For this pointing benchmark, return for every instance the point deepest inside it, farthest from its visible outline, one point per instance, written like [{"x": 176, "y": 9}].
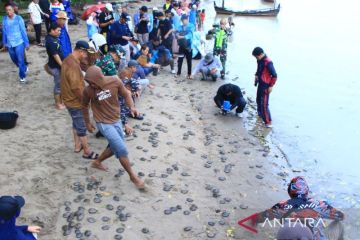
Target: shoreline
[{"x": 41, "y": 163}]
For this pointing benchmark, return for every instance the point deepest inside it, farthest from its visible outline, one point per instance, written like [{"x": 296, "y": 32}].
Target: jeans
[
  {"x": 78, "y": 121},
  {"x": 148, "y": 70},
  {"x": 127, "y": 49},
  {"x": 143, "y": 83},
  {"x": 56, "y": 73},
  {"x": 206, "y": 72},
  {"x": 37, "y": 28},
  {"x": 113, "y": 132},
  {"x": 143, "y": 38},
  {"x": 17, "y": 55}
]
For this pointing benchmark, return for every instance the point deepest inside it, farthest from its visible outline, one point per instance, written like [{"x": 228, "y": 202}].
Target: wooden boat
[{"x": 270, "y": 12}]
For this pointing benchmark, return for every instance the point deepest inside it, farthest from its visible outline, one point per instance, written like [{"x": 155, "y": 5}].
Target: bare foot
[
  {"x": 78, "y": 148},
  {"x": 138, "y": 183},
  {"x": 151, "y": 86},
  {"x": 97, "y": 165}
]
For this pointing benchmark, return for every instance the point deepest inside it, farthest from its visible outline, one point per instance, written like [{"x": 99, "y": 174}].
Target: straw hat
[{"x": 62, "y": 15}]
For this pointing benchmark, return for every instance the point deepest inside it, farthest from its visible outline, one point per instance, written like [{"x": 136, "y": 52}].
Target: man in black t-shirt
[
  {"x": 56, "y": 56},
  {"x": 141, "y": 21},
  {"x": 45, "y": 7},
  {"x": 106, "y": 18},
  {"x": 165, "y": 31}
]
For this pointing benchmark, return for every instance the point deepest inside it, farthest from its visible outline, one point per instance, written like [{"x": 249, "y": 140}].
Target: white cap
[
  {"x": 194, "y": 6},
  {"x": 109, "y": 7},
  {"x": 155, "y": 9}
]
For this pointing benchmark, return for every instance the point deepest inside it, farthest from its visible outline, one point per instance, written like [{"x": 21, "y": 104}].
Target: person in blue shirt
[
  {"x": 175, "y": 19},
  {"x": 64, "y": 35},
  {"x": 120, "y": 34},
  {"x": 15, "y": 39},
  {"x": 193, "y": 15},
  {"x": 184, "y": 37},
  {"x": 9, "y": 211}
]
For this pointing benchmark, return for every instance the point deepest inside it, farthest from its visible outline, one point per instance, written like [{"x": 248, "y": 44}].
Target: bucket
[
  {"x": 8, "y": 119},
  {"x": 226, "y": 106}
]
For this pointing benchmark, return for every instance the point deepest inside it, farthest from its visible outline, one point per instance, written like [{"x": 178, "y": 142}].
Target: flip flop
[
  {"x": 92, "y": 156},
  {"x": 81, "y": 148},
  {"x": 139, "y": 117}
]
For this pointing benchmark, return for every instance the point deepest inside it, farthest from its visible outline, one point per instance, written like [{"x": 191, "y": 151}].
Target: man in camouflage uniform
[
  {"x": 109, "y": 63},
  {"x": 221, "y": 35}
]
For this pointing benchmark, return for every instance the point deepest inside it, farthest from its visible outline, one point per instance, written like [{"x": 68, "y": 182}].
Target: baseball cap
[
  {"x": 124, "y": 16},
  {"x": 184, "y": 17},
  {"x": 208, "y": 57},
  {"x": 9, "y": 206},
  {"x": 83, "y": 45},
  {"x": 144, "y": 8},
  {"x": 133, "y": 63},
  {"x": 109, "y": 7}
]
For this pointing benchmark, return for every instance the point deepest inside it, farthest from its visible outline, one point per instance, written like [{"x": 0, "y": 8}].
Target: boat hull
[{"x": 271, "y": 12}]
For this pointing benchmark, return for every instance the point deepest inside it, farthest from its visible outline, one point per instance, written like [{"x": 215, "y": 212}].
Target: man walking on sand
[
  {"x": 72, "y": 86},
  {"x": 103, "y": 96},
  {"x": 265, "y": 78},
  {"x": 14, "y": 38}
]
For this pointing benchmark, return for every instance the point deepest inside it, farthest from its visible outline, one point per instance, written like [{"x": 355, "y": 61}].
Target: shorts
[
  {"x": 113, "y": 132},
  {"x": 78, "y": 121}
]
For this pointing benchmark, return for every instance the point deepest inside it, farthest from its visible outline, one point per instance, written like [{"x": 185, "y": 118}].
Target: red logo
[{"x": 251, "y": 218}]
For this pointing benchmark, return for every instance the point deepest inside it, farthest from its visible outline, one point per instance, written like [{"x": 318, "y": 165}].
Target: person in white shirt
[
  {"x": 35, "y": 17},
  {"x": 209, "y": 66}
]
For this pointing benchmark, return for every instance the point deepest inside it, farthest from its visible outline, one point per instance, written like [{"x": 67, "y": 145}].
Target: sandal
[
  {"x": 92, "y": 156},
  {"x": 138, "y": 117}
]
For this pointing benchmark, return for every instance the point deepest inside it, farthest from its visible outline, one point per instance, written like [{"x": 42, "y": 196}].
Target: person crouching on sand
[
  {"x": 9, "y": 210},
  {"x": 103, "y": 94},
  {"x": 228, "y": 97}
]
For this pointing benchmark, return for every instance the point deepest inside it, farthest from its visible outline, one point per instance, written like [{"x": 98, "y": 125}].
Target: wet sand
[{"x": 203, "y": 171}]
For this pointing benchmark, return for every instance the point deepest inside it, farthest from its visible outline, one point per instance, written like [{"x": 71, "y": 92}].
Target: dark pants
[
  {"x": 37, "y": 28},
  {"x": 188, "y": 55},
  {"x": 239, "y": 107},
  {"x": 168, "y": 43},
  {"x": 47, "y": 23},
  {"x": 166, "y": 62},
  {"x": 222, "y": 55},
  {"x": 262, "y": 100}
]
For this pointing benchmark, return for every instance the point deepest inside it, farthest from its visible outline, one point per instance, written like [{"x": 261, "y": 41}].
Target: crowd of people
[{"x": 110, "y": 71}]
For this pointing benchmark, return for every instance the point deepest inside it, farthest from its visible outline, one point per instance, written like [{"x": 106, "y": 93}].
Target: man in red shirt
[{"x": 265, "y": 78}]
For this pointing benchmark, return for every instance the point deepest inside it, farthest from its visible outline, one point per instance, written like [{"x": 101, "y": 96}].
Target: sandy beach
[{"x": 203, "y": 171}]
